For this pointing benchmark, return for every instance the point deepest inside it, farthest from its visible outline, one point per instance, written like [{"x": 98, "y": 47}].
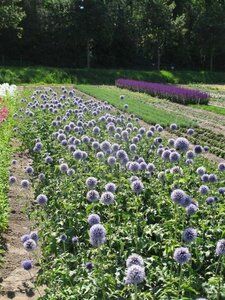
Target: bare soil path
[{"x": 16, "y": 283}]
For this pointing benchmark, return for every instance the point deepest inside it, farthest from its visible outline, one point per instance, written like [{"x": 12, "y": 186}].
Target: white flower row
[{"x": 7, "y": 89}]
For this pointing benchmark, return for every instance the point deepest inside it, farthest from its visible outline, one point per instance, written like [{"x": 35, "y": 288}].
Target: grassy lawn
[
  {"x": 19, "y": 75},
  {"x": 215, "y": 109},
  {"x": 139, "y": 104}
]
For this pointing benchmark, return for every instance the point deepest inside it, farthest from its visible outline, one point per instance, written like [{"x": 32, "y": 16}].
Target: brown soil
[{"x": 16, "y": 283}]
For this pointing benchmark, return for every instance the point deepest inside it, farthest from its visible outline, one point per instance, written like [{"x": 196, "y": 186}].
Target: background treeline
[{"x": 153, "y": 34}]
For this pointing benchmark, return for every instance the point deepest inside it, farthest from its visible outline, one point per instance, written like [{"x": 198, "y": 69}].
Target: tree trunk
[
  {"x": 88, "y": 54},
  {"x": 211, "y": 60},
  {"x": 158, "y": 59}
]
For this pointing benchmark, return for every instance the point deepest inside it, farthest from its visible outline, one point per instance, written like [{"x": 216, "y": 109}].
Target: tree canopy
[{"x": 114, "y": 33}]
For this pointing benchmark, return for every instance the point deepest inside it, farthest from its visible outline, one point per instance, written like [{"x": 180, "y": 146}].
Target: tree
[
  {"x": 11, "y": 14},
  {"x": 158, "y": 25},
  {"x": 209, "y": 28}
]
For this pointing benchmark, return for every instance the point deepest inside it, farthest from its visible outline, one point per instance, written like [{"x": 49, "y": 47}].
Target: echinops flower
[
  {"x": 182, "y": 255},
  {"x": 135, "y": 274},
  {"x": 93, "y": 219},
  {"x": 97, "y": 235}
]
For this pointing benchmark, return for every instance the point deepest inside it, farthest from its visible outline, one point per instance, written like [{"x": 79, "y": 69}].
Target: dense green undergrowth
[
  {"x": 6, "y": 149},
  {"x": 38, "y": 74}
]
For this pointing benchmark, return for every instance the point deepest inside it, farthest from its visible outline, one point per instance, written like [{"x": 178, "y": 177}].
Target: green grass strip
[
  {"x": 47, "y": 75},
  {"x": 139, "y": 104},
  {"x": 214, "y": 109}
]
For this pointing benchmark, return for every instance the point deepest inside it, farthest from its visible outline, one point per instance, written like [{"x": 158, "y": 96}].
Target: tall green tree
[
  {"x": 158, "y": 25},
  {"x": 11, "y": 14},
  {"x": 209, "y": 28}
]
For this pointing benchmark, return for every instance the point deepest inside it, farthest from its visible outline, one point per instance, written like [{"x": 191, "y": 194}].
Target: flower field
[
  {"x": 172, "y": 92},
  {"x": 119, "y": 212}
]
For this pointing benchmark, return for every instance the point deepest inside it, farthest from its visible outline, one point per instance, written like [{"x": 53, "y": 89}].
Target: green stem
[
  {"x": 181, "y": 275},
  {"x": 135, "y": 292},
  {"x": 220, "y": 279}
]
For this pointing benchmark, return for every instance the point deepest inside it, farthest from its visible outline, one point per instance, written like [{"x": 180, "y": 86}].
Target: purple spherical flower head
[
  {"x": 173, "y": 126},
  {"x": 25, "y": 183},
  {"x": 97, "y": 235},
  {"x": 48, "y": 159},
  {"x": 135, "y": 274},
  {"x": 29, "y": 170},
  {"x": 210, "y": 200},
  {"x": 27, "y": 264},
  {"x": 75, "y": 239},
  {"x": 204, "y": 190},
  {"x": 93, "y": 219},
  {"x": 63, "y": 167},
  {"x": 41, "y": 176},
  {"x": 63, "y": 237},
  {"x": 24, "y": 238},
  {"x": 42, "y": 199},
  {"x": 110, "y": 187},
  {"x": 182, "y": 255},
  {"x": 178, "y": 196},
  {"x": 34, "y": 236},
  {"x": 205, "y": 178},
  {"x": 134, "y": 259},
  {"x": 221, "y": 167},
  {"x": 181, "y": 144},
  {"x": 190, "y": 154},
  {"x": 174, "y": 156},
  {"x": 78, "y": 155},
  {"x": 166, "y": 155},
  {"x": 92, "y": 196},
  {"x": 191, "y": 209},
  {"x": 189, "y": 235},
  {"x": 14, "y": 162},
  {"x": 150, "y": 167},
  {"x": 220, "y": 247},
  {"x": 186, "y": 201},
  {"x": 100, "y": 155},
  {"x": 134, "y": 166},
  {"x": 89, "y": 266},
  {"x": 201, "y": 171},
  {"x": 221, "y": 190},
  {"x": 111, "y": 160},
  {"x": 198, "y": 149},
  {"x": 212, "y": 178},
  {"x": 12, "y": 179},
  {"x": 70, "y": 172},
  {"x": 133, "y": 178},
  {"x": 91, "y": 182},
  {"x": 190, "y": 131},
  {"x": 137, "y": 186},
  {"x": 107, "y": 198},
  {"x": 29, "y": 245}
]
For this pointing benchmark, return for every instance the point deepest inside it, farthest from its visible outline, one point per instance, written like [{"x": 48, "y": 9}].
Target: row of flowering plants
[
  {"x": 171, "y": 92},
  {"x": 7, "y": 123},
  {"x": 119, "y": 212}
]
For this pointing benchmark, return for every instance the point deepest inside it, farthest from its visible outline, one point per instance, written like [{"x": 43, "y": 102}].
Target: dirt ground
[{"x": 16, "y": 283}]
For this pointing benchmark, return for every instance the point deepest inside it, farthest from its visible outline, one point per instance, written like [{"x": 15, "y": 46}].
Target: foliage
[
  {"x": 138, "y": 103},
  {"x": 6, "y": 133},
  {"x": 11, "y": 14},
  {"x": 44, "y": 75},
  {"x": 149, "y": 223},
  {"x": 114, "y": 33}
]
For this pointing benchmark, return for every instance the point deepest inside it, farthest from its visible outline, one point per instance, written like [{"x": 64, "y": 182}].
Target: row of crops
[
  {"x": 121, "y": 212},
  {"x": 172, "y": 92},
  {"x": 7, "y": 123}
]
